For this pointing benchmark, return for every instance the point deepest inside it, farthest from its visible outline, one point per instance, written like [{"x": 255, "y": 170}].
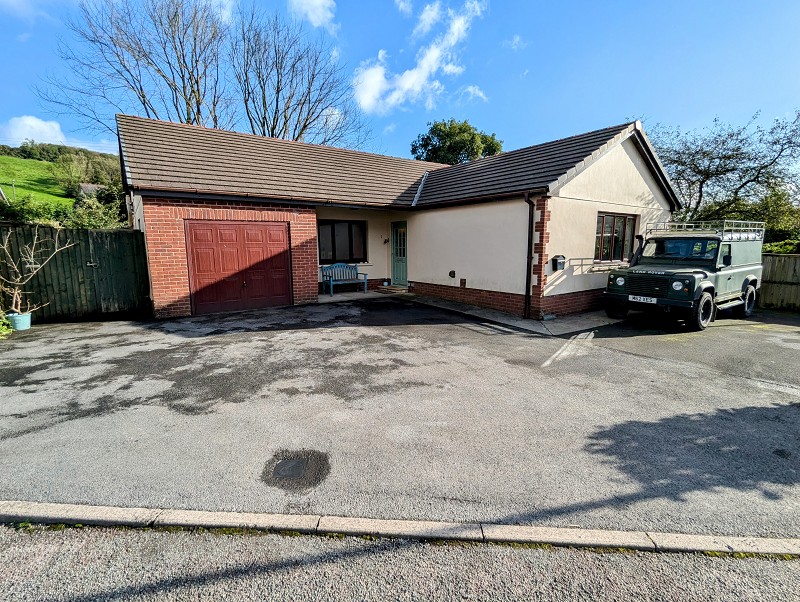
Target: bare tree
[
  {"x": 159, "y": 58},
  {"x": 720, "y": 167},
  {"x": 18, "y": 269},
  {"x": 291, "y": 86},
  {"x": 180, "y": 60}
]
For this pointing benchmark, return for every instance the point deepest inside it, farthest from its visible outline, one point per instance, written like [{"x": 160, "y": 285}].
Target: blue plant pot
[{"x": 19, "y": 321}]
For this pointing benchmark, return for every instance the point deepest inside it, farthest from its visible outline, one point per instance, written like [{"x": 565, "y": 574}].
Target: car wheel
[
  {"x": 703, "y": 312},
  {"x": 617, "y": 311},
  {"x": 749, "y": 297}
]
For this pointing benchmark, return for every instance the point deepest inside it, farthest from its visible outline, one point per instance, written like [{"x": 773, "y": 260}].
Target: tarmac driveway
[{"x": 408, "y": 411}]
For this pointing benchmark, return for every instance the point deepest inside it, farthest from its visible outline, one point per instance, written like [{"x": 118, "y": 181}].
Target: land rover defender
[{"x": 690, "y": 270}]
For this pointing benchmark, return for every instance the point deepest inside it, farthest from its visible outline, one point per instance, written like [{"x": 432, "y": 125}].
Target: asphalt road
[
  {"x": 413, "y": 412},
  {"x": 80, "y": 565}
]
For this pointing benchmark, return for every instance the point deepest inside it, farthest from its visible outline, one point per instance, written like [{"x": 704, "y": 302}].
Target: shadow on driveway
[{"x": 745, "y": 449}]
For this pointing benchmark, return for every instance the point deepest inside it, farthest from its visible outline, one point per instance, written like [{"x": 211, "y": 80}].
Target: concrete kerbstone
[
  {"x": 682, "y": 542},
  {"x": 400, "y": 528},
  {"x": 301, "y": 523},
  {"x": 559, "y": 536},
  {"x": 71, "y": 514}
]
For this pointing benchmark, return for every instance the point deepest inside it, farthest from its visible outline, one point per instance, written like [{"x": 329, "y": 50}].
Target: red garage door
[{"x": 238, "y": 265}]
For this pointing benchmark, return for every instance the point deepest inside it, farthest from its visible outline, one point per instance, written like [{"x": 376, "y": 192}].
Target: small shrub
[
  {"x": 91, "y": 213},
  {"x": 783, "y": 247},
  {"x": 5, "y": 325}
]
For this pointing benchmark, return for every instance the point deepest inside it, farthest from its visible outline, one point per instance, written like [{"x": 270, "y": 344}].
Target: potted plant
[{"x": 17, "y": 269}]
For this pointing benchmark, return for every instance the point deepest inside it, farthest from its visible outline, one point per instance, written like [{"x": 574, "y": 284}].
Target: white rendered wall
[
  {"x": 484, "y": 243},
  {"x": 619, "y": 182}
]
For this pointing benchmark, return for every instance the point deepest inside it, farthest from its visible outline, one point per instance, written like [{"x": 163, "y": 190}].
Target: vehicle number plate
[{"x": 641, "y": 299}]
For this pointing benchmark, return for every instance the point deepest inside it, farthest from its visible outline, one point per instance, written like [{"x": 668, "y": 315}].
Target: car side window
[{"x": 725, "y": 251}]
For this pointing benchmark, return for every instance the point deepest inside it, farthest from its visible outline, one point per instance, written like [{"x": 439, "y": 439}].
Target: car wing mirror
[{"x": 727, "y": 260}]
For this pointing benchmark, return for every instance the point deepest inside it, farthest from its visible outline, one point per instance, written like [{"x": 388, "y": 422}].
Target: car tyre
[
  {"x": 702, "y": 312},
  {"x": 616, "y": 310},
  {"x": 749, "y": 297}
]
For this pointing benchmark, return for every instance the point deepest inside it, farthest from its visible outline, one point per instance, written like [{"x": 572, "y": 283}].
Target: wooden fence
[
  {"x": 105, "y": 272},
  {"x": 780, "y": 288}
]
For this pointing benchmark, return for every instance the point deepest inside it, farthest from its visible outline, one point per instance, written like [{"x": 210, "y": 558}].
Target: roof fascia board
[
  {"x": 648, "y": 151},
  {"x": 211, "y": 196}
]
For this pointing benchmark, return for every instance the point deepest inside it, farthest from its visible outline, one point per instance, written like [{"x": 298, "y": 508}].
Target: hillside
[{"x": 33, "y": 177}]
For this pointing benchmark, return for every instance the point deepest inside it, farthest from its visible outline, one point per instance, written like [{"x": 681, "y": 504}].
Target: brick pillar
[{"x": 540, "y": 242}]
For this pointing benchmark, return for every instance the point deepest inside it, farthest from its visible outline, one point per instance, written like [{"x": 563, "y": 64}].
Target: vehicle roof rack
[{"x": 725, "y": 229}]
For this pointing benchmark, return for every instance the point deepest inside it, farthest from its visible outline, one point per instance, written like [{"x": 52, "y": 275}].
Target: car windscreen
[{"x": 695, "y": 249}]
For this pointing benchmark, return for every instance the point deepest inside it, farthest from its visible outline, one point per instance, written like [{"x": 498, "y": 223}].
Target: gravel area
[
  {"x": 413, "y": 413},
  {"x": 108, "y": 564}
]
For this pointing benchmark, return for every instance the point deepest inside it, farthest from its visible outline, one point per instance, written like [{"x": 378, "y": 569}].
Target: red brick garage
[{"x": 176, "y": 287}]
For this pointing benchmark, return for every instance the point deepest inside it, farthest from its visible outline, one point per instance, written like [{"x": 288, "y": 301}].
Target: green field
[{"x": 33, "y": 177}]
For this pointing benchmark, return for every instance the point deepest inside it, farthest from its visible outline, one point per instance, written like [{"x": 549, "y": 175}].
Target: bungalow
[{"x": 235, "y": 221}]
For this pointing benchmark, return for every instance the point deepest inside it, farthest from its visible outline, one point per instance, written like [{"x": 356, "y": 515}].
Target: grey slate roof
[{"x": 161, "y": 156}]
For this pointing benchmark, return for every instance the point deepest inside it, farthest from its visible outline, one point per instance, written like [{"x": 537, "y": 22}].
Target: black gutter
[{"x": 526, "y": 312}]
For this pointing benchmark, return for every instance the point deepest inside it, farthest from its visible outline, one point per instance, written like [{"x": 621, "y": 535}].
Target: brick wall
[
  {"x": 166, "y": 246},
  {"x": 509, "y": 303},
  {"x": 568, "y": 303}
]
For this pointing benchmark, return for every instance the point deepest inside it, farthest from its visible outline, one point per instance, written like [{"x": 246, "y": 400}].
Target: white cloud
[
  {"x": 225, "y": 9},
  {"x": 378, "y": 91},
  {"x": 404, "y": 6},
  {"x": 27, "y": 10},
  {"x": 452, "y": 69},
  {"x": 320, "y": 13},
  {"x": 389, "y": 129},
  {"x": 515, "y": 43},
  {"x": 430, "y": 16},
  {"x": 474, "y": 91},
  {"x": 24, "y": 37},
  {"x": 27, "y": 127}
]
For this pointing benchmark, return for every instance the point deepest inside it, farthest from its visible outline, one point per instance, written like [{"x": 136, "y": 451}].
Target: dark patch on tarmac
[{"x": 296, "y": 471}]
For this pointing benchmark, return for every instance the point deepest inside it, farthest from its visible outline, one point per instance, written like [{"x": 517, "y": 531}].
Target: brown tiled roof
[
  {"x": 171, "y": 157},
  {"x": 528, "y": 169}
]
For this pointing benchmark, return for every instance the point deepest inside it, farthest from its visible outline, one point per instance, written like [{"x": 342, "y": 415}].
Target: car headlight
[
  {"x": 620, "y": 281},
  {"x": 677, "y": 285}
]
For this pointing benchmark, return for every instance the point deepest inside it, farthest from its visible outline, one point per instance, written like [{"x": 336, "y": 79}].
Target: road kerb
[
  {"x": 72, "y": 514},
  {"x": 560, "y": 536},
  {"x": 683, "y": 542},
  {"x": 301, "y": 523},
  {"x": 110, "y": 516},
  {"x": 400, "y": 528}
]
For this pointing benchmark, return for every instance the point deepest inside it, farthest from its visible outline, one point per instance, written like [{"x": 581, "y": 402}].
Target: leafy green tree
[
  {"x": 70, "y": 171},
  {"x": 717, "y": 169},
  {"x": 454, "y": 142}
]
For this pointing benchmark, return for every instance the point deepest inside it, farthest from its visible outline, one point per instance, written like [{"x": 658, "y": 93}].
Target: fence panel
[
  {"x": 104, "y": 272},
  {"x": 781, "y": 286}
]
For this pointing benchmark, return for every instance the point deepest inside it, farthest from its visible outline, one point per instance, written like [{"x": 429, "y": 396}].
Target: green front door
[{"x": 399, "y": 253}]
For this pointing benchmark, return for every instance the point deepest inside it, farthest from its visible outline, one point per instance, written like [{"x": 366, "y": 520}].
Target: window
[
  {"x": 669, "y": 249},
  {"x": 614, "y": 237},
  {"x": 341, "y": 241}
]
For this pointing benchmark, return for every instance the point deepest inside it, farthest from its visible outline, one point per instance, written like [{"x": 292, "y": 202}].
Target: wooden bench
[{"x": 341, "y": 273}]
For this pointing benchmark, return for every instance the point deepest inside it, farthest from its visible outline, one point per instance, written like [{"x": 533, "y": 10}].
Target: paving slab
[
  {"x": 400, "y": 528},
  {"x": 633, "y": 540}
]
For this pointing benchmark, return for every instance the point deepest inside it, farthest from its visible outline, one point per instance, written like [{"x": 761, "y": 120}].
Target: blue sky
[{"x": 527, "y": 71}]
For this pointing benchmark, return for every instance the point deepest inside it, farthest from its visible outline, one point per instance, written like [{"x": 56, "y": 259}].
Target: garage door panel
[
  {"x": 229, "y": 260},
  {"x": 205, "y": 261},
  {"x": 227, "y": 234},
  {"x": 238, "y": 265}
]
